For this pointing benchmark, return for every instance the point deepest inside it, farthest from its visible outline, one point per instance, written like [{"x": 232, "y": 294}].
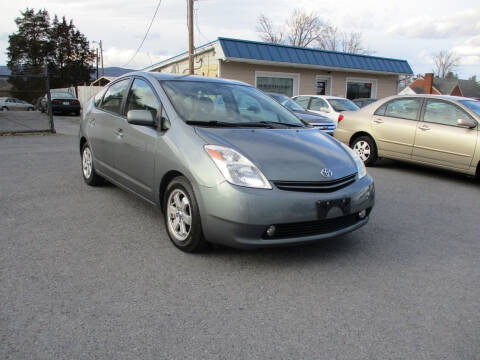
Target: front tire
[
  {"x": 88, "y": 170},
  {"x": 182, "y": 216},
  {"x": 366, "y": 149}
]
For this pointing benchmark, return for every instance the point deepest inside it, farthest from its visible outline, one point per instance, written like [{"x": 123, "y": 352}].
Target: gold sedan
[{"x": 434, "y": 130}]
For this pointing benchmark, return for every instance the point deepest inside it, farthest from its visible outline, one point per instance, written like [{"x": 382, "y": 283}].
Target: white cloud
[
  {"x": 465, "y": 23},
  {"x": 119, "y": 57},
  {"x": 469, "y": 51}
]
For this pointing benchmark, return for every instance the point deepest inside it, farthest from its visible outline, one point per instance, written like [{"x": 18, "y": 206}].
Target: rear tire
[
  {"x": 366, "y": 149},
  {"x": 88, "y": 170},
  {"x": 182, "y": 216}
]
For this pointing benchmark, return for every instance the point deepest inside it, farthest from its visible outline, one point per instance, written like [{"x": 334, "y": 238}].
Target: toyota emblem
[{"x": 326, "y": 172}]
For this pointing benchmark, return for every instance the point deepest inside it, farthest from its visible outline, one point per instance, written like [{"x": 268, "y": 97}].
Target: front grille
[
  {"x": 325, "y": 127},
  {"x": 310, "y": 228},
  {"x": 316, "y": 186}
]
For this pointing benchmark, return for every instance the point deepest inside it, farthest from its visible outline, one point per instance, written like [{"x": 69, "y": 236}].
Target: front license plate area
[
  {"x": 333, "y": 208},
  {"x": 66, "y": 103}
]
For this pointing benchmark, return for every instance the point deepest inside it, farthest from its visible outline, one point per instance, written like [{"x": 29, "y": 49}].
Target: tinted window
[
  {"x": 403, "y": 108},
  {"x": 237, "y": 104},
  {"x": 441, "y": 112},
  {"x": 343, "y": 105},
  {"x": 142, "y": 97},
  {"x": 302, "y": 101},
  {"x": 318, "y": 104},
  {"x": 112, "y": 101}
]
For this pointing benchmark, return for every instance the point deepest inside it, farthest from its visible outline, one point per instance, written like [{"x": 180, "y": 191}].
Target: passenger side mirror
[
  {"x": 140, "y": 117},
  {"x": 466, "y": 123},
  {"x": 164, "y": 124}
]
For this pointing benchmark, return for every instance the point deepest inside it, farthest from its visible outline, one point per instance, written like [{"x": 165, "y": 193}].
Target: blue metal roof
[{"x": 254, "y": 50}]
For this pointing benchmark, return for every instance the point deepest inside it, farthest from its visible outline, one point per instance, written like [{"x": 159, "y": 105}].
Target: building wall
[
  {"x": 386, "y": 85},
  {"x": 205, "y": 64}
]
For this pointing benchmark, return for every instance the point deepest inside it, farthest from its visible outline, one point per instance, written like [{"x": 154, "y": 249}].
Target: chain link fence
[{"x": 25, "y": 105}]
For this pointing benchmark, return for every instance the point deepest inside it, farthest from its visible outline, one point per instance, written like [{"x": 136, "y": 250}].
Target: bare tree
[
  {"x": 329, "y": 38},
  {"x": 303, "y": 28},
  {"x": 445, "y": 62},
  {"x": 267, "y": 30}
]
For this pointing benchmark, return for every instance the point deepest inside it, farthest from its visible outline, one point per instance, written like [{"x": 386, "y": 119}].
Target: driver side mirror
[
  {"x": 140, "y": 117},
  {"x": 466, "y": 123}
]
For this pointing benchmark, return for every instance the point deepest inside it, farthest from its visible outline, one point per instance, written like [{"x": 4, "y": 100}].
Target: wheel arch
[
  {"x": 359, "y": 134},
  {"x": 164, "y": 183},
  {"x": 83, "y": 140}
]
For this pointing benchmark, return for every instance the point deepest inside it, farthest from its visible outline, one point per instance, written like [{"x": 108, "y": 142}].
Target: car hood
[
  {"x": 312, "y": 117},
  {"x": 285, "y": 154}
]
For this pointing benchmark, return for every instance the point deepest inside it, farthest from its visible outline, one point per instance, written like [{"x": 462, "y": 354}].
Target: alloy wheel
[
  {"x": 362, "y": 148},
  {"x": 179, "y": 215},
  {"x": 87, "y": 162}
]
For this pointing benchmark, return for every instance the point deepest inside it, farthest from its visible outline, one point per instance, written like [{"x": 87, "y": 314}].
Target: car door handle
[
  {"x": 424, "y": 127},
  {"x": 119, "y": 132},
  {"x": 378, "y": 121}
]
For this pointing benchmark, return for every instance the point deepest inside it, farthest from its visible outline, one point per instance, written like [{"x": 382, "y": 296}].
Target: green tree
[{"x": 39, "y": 41}]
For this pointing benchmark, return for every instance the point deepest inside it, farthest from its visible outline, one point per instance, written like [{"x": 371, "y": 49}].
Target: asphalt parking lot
[{"x": 89, "y": 273}]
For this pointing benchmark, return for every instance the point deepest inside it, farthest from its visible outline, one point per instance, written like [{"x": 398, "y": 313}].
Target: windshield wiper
[{"x": 212, "y": 123}]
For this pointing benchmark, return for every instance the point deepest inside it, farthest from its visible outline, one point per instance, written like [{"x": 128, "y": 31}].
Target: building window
[
  {"x": 280, "y": 83},
  {"x": 323, "y": 85},
  {"x": 361, "y": 88}
]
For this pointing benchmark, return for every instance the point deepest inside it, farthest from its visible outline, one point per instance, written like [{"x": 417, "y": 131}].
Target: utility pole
[
  {"x": 101, "y": 54},
  {"x": 190, "y": 37}
]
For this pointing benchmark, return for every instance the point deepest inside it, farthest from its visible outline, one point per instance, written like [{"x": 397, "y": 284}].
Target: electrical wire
[
  {"x": 146, "y": 34},
  {"x": 198, "y": 26}
]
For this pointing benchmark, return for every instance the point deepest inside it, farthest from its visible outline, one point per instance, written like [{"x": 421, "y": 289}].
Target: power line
[
  {"x": 146, "y": 34},
  {"x": 198, "y": 26}
]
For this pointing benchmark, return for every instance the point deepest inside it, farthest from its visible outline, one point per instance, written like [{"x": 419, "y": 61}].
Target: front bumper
[
  {"x": 239, "y": 217},
  {"x": 65, "y": 108}
]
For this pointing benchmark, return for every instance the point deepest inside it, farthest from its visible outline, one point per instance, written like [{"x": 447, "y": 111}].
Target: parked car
[
  {"x": 329, "y": 106},
  {"x": 8, "y": 103},
  {"x": 316, "y": 120},
  {"x": 434, "y": 130},
  {"x": 226, "y": 163},
  {"x": 62, "y": 102},
  {"x": 362, "y": 102}
]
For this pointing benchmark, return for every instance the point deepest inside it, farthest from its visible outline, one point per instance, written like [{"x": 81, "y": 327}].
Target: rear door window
[
  {"x": 403, "y": 108},
  {"x": 318, "y": 104},
  {"x": 302, "y": 101},
  {"x": 112, "y": 101}
]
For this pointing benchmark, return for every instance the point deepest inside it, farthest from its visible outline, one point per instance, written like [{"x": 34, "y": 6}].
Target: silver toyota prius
[{"x": 226, "y": 163}]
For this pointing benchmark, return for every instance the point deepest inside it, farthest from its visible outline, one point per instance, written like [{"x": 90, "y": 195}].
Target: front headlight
[
  {"x": 236, "y": 168},
  {"x": 361, "y": 170}
]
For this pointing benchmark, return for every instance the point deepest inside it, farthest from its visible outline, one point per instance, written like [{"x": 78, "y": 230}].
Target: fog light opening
[
  {"x": 271, "y": 230},
  {"x": 362, "y": 214}
]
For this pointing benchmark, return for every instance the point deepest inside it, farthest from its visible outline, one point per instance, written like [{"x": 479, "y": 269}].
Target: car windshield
[
  {"x": 342, "y": 105},
  {"x": 287, "y": 102},
  {"x": 61, "y": 95},
  {"x": 219, "y": 104},
  {"x": 473, "y": 105}
]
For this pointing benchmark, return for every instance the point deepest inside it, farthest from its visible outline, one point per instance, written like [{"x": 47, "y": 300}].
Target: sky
[{"x": 410, "y": 29}]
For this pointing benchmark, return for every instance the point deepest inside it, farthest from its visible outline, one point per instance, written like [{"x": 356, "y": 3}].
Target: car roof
[
  {"x": 432, "y": 96},
  {"x": 324, "y": 96},
  {"x": 181, "y": 77}
]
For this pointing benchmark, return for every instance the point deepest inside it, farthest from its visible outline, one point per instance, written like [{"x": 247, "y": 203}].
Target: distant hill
[{"x": 109, "y": 71}]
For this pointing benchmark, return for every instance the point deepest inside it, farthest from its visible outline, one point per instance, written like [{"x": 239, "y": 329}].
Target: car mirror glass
[{"x": 140, "y": 117}]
